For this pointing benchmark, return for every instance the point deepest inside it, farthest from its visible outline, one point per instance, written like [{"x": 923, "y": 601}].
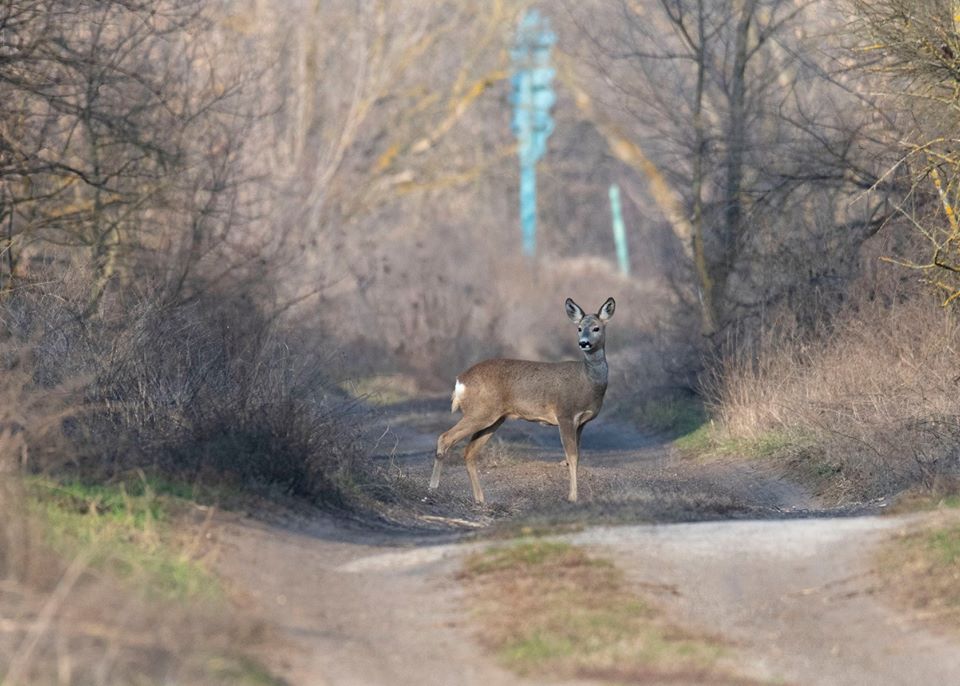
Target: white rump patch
[{"x": 457, "y": 395}]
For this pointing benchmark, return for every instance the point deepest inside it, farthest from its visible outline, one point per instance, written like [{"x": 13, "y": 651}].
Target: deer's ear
[
  {"x": 606, "y": 309},
  {"x": 574, "y": 311}
]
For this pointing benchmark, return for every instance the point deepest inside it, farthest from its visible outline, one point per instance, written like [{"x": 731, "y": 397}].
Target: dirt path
[
  {"x": 349, "y": 622},
  {"x": 787, "y": 585},
  {"x": 796, "y": 598}
]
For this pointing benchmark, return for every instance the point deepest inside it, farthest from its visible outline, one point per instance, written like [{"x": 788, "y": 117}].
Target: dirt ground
[{"x": 731, "y": 549}]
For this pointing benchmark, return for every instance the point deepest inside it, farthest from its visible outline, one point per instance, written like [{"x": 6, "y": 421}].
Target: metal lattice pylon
[{"x": 533, "y": 97}]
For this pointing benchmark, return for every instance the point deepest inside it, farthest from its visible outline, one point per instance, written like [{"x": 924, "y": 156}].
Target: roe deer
[{"x": 564, "y": 394}]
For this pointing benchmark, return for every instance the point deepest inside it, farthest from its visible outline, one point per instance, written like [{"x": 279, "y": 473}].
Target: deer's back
[{"x": 536, "y": 391}]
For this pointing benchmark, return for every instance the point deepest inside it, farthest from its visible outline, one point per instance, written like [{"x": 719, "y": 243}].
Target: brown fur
[{"x": 563, "y": 394}]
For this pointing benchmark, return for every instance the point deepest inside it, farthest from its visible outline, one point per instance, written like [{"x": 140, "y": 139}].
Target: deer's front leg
[{"x": 571, "y": 448}]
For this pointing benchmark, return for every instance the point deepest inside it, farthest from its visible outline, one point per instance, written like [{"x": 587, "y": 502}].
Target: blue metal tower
[{"x": 532, "y": 99}]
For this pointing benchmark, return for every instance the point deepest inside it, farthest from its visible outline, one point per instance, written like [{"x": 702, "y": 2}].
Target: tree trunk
[
  {"x": 732, "y": 228},
  {"x": 705, "y": 283}
]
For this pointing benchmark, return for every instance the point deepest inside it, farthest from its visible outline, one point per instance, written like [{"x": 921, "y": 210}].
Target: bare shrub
[
  {"x": 874, "y": 391},
  {"x": 30, "y": 421},
  {"x": 212, "y": 386},
  {"x": 913, "y": 46},
  {"x": 120, "y": 133}
]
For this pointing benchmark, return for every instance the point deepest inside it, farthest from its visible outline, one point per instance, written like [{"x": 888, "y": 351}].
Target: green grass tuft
[
  {"x": 697, "y": 442},
  {"x": 125, "y": 528},
  {"x": 709, "y": 440},
  {"x": 944, "y": 544},
  {"x": 672, "y": 416},
  {"x": 920, "y": 567},
  {"x": 240, "y": 671},
  {"x": 523, "y": 555}
]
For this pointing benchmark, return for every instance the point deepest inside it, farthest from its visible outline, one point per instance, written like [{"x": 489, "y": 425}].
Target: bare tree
[
  {"x": 117, "y": 135},
  {"x": 914, "y": 46},
  {"x": 737, "y": 111}
]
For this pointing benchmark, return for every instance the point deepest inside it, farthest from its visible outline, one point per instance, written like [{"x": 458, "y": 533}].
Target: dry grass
[
  {"x": 551, "y": 610},
  {"x": 100, "y": 584},
  {"x": 873, "y": 394}
]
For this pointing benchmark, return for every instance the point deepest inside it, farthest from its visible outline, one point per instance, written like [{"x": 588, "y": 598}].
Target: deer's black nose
[{"x": 584, "y": 344}]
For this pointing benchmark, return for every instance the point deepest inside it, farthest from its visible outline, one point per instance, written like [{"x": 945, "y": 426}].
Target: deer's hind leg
[
  {"x": 477, "y": 441},
  {"x": 467, "y": 426}
]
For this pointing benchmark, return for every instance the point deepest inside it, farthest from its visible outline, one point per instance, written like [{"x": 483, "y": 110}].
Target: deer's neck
[{"x": 596, "y": 365}]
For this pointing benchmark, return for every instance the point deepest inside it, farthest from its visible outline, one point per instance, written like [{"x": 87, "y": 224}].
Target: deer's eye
[
  {"x": 579, "y": 329},
  {"x": 596, "y": 329}
]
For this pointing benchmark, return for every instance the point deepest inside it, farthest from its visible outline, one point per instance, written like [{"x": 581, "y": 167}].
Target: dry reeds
[{"x": 876, "y": 390}]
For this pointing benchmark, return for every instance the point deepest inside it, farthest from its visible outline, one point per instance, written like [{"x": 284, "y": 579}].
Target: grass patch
[
  {"x": 921, "y": 569},
  {"x": 117, "y": 569},
  {"x": 125, "y": 527},
  {"x": 708, "y": 440},
  {"x": 671, "y": 416},
  {"x": 944, "y": 547},
  {"x": 917, "y": 500},
  {"x": 240, "y": 671},
  {"x": 530, "y": 528},
  {"x": 697, "y": 442},
  {"x": 522, "y": 556},
  {"x": 549, "y": 609}
]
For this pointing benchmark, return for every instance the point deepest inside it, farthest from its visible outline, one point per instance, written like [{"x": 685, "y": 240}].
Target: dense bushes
[{"x": 207, "y": 387}]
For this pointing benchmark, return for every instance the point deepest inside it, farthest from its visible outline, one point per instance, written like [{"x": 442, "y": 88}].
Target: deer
[{"x": 563, "y": 394}]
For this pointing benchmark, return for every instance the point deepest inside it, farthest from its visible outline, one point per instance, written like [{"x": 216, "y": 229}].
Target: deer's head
[{"x": 591, "y": 327}]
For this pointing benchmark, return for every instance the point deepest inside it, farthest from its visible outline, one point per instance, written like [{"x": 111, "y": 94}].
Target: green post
[{"x": 619, "y": 233}]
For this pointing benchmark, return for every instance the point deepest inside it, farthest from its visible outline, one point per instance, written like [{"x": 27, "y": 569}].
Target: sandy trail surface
[
  {"x": 733, "y": 551},
  {"x": 797, "y": 598}
]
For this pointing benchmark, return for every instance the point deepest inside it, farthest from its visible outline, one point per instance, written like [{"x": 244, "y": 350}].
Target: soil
[{"x": 728, "y": 548}]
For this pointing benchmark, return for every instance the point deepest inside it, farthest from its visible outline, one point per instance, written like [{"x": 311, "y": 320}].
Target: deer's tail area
[{"x": 458, "y": 390}]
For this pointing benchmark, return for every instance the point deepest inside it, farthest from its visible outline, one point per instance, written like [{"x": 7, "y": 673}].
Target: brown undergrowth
[
  {"x": 215, "y": 389},
  {"x": 863, "y": 407}
]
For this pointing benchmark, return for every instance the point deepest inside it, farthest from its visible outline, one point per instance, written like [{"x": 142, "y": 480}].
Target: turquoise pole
[{"x": 619, "y": 233}]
